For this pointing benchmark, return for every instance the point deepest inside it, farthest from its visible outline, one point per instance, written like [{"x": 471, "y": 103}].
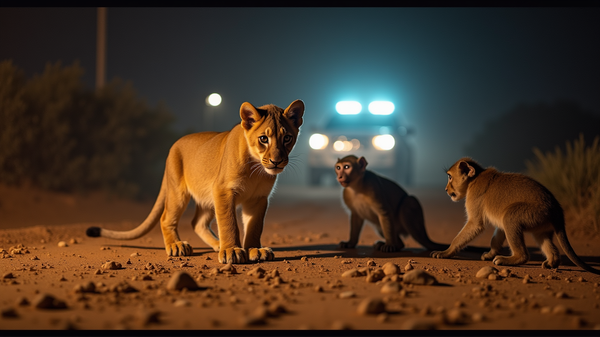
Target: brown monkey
[
  {"x": 513, "y": 203},
  {"x": 383, "y": 203}
]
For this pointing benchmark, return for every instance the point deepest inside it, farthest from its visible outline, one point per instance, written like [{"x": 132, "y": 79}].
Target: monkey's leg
[
  {"x": 466, "y": 234},
  {"x": 516, "y": 242},
  {"x": 544, "y": 239},
  {"x": 386, "y": 229},
  {"x": 356, "y": 224},
  {"x": 496, "y": 245}
]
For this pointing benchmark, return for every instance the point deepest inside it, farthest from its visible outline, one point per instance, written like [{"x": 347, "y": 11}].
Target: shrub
[
  {"x": 57, "y": 134},
  {"x": 574, "y": 179}
]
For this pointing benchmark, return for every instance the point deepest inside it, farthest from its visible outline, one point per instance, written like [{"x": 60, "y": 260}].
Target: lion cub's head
[
  {"x": 271, "y": 133},
  {"x": 459, "y": 177}
]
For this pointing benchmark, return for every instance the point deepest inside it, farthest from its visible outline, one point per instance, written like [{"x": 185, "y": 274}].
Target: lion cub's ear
[
  {"x": 249, "y": 115},
  {"x": 466, "y": 169},
  {"x": 294, "y": 112}
]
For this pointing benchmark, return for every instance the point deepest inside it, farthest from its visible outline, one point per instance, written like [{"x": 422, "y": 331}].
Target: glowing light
[
  {"x": 318, "y": 141},
  {"x": 342, "y": 144},
  {"x": 381, "y": 107},
  {"x": 348, "y": 107},
  {"x": 384, "y": 142},
  {"x": 213, "y": 99}
]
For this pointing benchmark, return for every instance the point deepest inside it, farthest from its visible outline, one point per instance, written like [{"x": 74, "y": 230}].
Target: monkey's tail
[
  {"x": 417, "y": 230},
  {"x": 561, "y": 234},
  {"x": 151, "y": 221}
]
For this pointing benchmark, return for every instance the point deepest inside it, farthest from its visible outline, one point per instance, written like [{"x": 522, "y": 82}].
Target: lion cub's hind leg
[
  {"x": 174, "y": 208},
  {"x": 496, "y": 245},
  {"x": 201, "y": 225},
  {"x": 544, "y": 239}
]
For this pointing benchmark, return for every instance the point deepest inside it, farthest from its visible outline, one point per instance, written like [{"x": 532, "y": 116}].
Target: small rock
[
  {"x": 420, "y": 324},
  {"x": 111, "y": 265},
  {"x": 340, "y": 325},
  {"x": 456, "y": 316},
  {"x": 62, "y": 244},
  {"x": 347, "y": 294},
  {"x": 276, "y": 309},
  {"x": 22, "y": 301},
  {"x": 228, "y": 269},
  {"x": 375, "y": 275},
  {"x": 135, "y": 254},
  {"x": 47, "y": 301},
  {"x": 371, "y": 263},
  {"x": 391, "y": 288},
  {"x": 419, "y": 277},
  {"x": 494, "y": 277},
  {"x": 182, "y": 303},
  {"x": 371, "y": 306},
  {"x": 408, "y": 267},
  {"x": 561, "y": 310},
  {"x": 486, "y": 271},
  {"x": 181, "y": 280},
  {"x": 390, "y": 269},
  {"x": 561, "y": 294},
  {"x": 9, "y": 313},
  {"x": 150, "y": 317},
  {"x": 257, "y": 272},
  {"x": 8, "y": 275},
  {"x": 504, "y": 272}
]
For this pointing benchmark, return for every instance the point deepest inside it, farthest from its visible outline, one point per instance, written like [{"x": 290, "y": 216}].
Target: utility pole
[{"x": 100, "y": 47}]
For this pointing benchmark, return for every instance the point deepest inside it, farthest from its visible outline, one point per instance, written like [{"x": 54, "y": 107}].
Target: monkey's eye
[
  {"x": 338, "y": 167},
  {"x": 263, "y": 139},
  {"x": 287, "y": 139},
  {"x": 346, "y": 167}
]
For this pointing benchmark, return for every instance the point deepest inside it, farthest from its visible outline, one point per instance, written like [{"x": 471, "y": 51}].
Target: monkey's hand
[
  {"x": 441, "y": 254},
  {"x": 384, "y": 247},
  {"x": 347, "y": 244}
]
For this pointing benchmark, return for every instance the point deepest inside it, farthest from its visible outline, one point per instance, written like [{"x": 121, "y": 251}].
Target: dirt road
[{"x": 54, "y": 277}]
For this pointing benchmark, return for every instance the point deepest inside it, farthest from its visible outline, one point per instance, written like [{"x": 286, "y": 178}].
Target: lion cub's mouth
[{"x": 452, "y": 195}]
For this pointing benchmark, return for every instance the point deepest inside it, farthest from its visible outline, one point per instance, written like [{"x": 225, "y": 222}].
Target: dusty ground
[{"x": 45, "y": 252}]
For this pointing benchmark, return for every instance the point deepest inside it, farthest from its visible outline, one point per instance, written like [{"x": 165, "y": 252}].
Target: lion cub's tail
[
  {"x": 561, "y": 235},
  {"x": 151, "y": 221}
]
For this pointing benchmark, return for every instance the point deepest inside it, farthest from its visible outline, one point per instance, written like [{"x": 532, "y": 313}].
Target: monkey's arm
[
  {"x": 467, "y": 233},
  {"x": 356, "y": 224}
]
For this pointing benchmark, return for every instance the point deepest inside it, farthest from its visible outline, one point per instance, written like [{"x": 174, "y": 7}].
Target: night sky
[{"x": 448, "y": 70}]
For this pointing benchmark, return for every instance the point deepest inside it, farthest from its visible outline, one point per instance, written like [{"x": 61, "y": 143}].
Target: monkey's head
[
  {"x": 350, "y": 169},
  {"x": 459, "y": 177}
]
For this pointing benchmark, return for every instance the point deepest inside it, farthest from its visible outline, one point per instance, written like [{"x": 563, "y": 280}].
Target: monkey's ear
[
  {"x": 466, "y": 169},
  {"x": 362, "y": 163}
]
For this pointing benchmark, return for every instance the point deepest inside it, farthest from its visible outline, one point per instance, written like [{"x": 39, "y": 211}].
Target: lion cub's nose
[{"x": 276, "y": 163}]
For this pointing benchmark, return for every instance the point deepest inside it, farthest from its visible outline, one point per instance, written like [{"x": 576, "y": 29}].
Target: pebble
[
  {"x": 62, "y": 244},
  {"x": 9, "y": 313},
  {"x": 504, "y": 272},
  {"x": 8, "y": 275},
  {"x": 375, "y": 275},
  {"x": 111, "y": 265},
  {"x": 371, "y": 306},
  {"x": 486, "y": 271},
  {"x": 561, "y": 310},
  {"x": 181, "y": 280},
  {"x": 371, "y": 263},
  {"x": 351, "y": 273},
  {"x": 228, "y": 269},
  {"x": 419, "y": 277},
  {"x": 391, "y": 288},
  {"x": 418, "y": 323},
  {"x": 456, "y": 316},
  {"x": 257, "y": 272},
  {"x": 340, "y": 325},
  {"x": 390, "y": 269},
  {"x": 47, "y": 301},
  {"x": 408, "y": 267},
  {"x": 347, "y": 294}
]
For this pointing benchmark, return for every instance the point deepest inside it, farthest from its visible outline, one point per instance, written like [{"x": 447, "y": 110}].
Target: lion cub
[
  {"x": 221, "y": 171},
  {"x": 383, "y": 203},
  {"x": 513, "y": 203}
]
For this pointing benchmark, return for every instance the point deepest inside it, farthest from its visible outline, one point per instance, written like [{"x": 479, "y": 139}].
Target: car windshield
[{"x": 361, "y": 121}]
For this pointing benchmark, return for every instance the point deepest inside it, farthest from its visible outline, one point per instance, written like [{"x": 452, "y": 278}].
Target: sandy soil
[{"x": 44, "y": 251}]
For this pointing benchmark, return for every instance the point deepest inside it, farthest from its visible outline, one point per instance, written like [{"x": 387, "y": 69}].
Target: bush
[
  {"x": 57, "y": 134},
  {"x": 574, "y": 179}
]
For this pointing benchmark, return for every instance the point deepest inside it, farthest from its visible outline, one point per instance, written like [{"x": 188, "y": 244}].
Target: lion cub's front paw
[
  {"x": 509, "y": 260},
  {"x": 232, "y": 255},
  {"x": 179, "y": 248},
  {"x": 489, "y": 255},
  {"x": 260, "y": 254},
  {"x": 441, "y": 254}
]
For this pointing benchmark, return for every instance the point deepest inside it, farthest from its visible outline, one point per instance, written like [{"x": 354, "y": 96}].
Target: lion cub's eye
[
  {"x": 263, "y": 139},
  {"x": 287, "y": 139},
  {"x": 449, "y": 177}
]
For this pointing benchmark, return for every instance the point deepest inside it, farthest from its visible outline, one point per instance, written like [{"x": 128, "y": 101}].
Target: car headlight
[
  {"x": 384, "y": 142},
  {"x": 318, "y": 141},
  {"x": 381, "y": 108}
]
